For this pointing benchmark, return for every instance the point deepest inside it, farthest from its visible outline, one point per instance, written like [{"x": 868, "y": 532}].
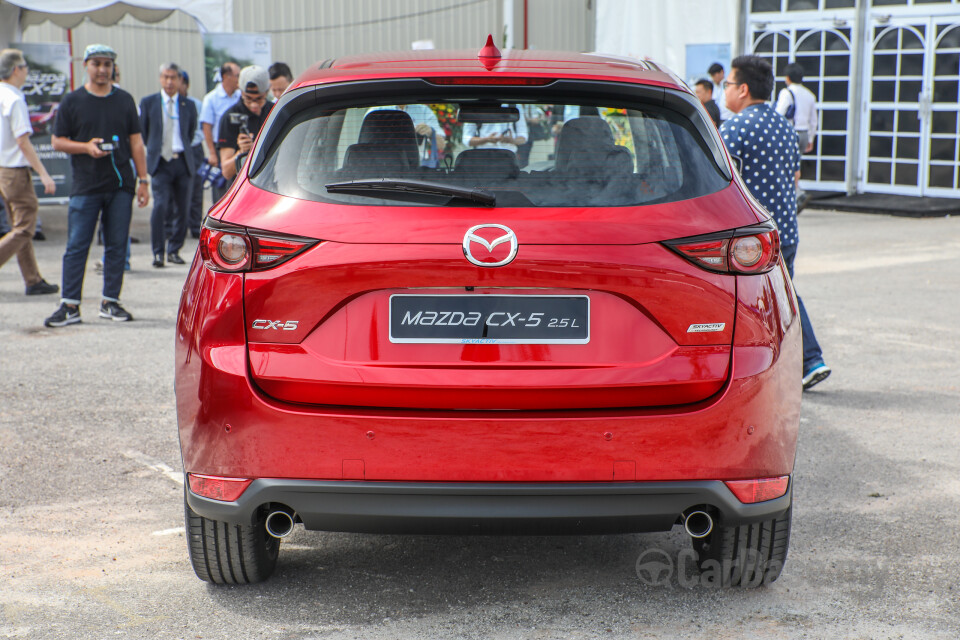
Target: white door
[
  {"x": 942, "y": 100},
  {"x": 825, "y": 51},
  {"x": 911, "y": 80}
]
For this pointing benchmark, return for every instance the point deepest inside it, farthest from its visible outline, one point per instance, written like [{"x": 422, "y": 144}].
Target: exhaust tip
[
  {"x": 698, "y": 524},
  {"x": 279, "y": 524}
]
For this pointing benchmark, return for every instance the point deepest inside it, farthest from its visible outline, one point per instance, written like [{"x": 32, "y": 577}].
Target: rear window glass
[{"x": 549, "y": 155}]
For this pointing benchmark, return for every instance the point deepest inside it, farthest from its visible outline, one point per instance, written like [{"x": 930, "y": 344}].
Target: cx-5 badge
[
  {"x": 472, "y": 243},
  {"x": 289, "y": 325}
]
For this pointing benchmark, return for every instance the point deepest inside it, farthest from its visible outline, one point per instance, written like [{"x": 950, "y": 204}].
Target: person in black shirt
[
  {"x": 98, "y": 126},
  {"x": 704, "y": 89},
  {"x": 241, "y": 122}
]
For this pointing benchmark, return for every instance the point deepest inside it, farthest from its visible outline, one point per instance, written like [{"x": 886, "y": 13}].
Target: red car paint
[{"x": 333, "y": 399}]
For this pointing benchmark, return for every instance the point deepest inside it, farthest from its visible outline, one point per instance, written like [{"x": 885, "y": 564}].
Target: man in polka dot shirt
[{"x": 770, "y": 151}]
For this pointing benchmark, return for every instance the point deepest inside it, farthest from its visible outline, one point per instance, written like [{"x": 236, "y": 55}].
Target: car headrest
[
  {"x": 581, "y": 137},
  {"x": 391, "y": 128},
  {"x": 496, "y": 164}
]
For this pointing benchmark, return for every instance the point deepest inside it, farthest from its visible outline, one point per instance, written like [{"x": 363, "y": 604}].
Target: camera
[
  {"x": 241, "y": 119},
  {"x": 211, "y": 176},
  {"x": 106, "y": 146}
]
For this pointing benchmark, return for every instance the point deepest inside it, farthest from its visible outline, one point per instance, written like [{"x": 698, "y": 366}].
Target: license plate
[{"x": 490, "y": 319}]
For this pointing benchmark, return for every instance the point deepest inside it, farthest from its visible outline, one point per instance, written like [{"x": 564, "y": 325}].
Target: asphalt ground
[{"x": 91, "y": 515}]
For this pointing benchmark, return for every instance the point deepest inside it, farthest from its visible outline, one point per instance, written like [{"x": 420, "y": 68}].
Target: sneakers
[
  {"x": 63, "y": 316},
  {"x": 42, "y": 288},
  {"x": 818, "y": 373},
  {"x": 113, "y": 311}
]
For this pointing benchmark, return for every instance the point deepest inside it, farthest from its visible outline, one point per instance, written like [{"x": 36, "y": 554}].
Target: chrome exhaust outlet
[
  {"x": 698, "y": 524},
  {"x": 279, "y": 524}
]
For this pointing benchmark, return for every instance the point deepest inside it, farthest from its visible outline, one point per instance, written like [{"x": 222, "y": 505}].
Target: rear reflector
[
  {"x": 760, "y": 490},
  {"x": 217, "y": 488}
]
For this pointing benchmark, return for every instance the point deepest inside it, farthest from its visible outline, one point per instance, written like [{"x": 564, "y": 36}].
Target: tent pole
[{"x": 70, "y": 44}]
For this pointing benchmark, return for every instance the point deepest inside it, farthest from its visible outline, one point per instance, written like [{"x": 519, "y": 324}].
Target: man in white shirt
[
  {"x": 804, "y": 107},
  {"x": 215, "y": 104},
  {"x": 17, "y": 156},
  {"x": 506, "y": 135},
  {"x": 717, "y": 74},
  {"x": 798, "y": 105}
]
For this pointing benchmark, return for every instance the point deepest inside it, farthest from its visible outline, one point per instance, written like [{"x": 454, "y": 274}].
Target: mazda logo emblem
[{"x": 476, "y": 247}]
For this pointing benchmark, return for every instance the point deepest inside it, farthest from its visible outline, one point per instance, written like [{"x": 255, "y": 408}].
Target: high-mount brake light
[
  {"x": 230, "y": 248},
  {"x": 747, "y": 250},
  {"x": 760, "y": 490},
  {"x": 497, "y": 80}
]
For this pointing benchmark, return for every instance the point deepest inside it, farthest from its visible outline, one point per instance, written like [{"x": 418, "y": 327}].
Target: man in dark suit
[{"x": 169, "y": 121}]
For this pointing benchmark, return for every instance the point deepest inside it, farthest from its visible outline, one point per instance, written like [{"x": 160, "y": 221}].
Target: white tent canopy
[{"x": 211, "y": 15}]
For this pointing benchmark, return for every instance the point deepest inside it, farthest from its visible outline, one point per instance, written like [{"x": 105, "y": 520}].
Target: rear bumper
[{"x": 487, "y": 508}]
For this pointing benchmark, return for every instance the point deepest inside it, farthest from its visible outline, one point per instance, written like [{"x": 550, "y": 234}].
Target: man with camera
[
  {"x": 98, "y": 126},
  {"x": 169, "y": 121},
  {"x": 241, "y": 123}
]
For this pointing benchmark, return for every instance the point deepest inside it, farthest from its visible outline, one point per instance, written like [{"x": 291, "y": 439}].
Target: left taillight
[
  {"x": 230, "y": 248},
  {"x": 746, "y": 250}
]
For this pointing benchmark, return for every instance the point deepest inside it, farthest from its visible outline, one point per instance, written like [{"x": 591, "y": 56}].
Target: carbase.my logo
[{"x": 656, "y": 568}]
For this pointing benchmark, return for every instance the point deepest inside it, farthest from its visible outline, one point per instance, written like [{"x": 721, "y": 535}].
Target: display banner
[
  {"x": 243, "y": 48},
  {"x": 47, "y": 83},
  {"x": 701, "y": 56}
]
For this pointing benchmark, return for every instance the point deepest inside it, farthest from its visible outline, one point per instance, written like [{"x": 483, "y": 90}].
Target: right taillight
[
  {"x": 746, "y": 250},
  {"x": 230, "y": 248}
]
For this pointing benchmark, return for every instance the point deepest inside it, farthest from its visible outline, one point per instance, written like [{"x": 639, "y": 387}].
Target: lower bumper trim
[{"x": 487, "y": 508}]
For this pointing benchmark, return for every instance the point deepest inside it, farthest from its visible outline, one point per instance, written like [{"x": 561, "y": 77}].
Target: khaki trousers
[{"x": 16, "y": 189}]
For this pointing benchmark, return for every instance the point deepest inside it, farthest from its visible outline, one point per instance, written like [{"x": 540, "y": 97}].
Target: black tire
[
  {"x": 748, "y": 555},
  {"x": 225, "y": 553}
]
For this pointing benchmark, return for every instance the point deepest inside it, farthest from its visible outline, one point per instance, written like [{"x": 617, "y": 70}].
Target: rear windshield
[{"x": 527, "y": 155}]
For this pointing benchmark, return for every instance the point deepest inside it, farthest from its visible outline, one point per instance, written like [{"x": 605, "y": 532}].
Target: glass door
[
  {"x": 894, "y": 89},
  {"x": 941, "y": 102},
  {"x": 824, "y": 50}
]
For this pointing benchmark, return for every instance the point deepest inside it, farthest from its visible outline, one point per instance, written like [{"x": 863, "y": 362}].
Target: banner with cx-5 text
[{"x": 47, "y": 83}]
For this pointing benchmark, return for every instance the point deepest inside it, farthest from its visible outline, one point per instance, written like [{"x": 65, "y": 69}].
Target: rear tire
[
  {"x": 747, "y": 555},
  {"x": 225, "y": 553}
]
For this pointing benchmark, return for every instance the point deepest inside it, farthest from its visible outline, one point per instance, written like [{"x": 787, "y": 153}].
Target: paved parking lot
[{"x": 91, "y": 518}]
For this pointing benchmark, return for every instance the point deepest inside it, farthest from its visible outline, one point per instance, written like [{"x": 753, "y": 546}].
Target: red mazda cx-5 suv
[{"x": 483, "y": 294}]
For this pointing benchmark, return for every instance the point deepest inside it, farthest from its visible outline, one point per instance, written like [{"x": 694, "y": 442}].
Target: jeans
[
  {"x": 114, "y": 209},
  {"x": 812, "y": 354}
]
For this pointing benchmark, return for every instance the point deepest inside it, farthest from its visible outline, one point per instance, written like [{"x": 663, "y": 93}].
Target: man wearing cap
[
  {"x": 241, "y": 123},
  {"x": 169, "y": 121},
  {"x": 215, "y": 104},
  {"x": 98, "y": 126},
  {"x": 17, "y": 156}
]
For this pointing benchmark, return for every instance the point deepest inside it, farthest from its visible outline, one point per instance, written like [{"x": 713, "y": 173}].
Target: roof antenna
[{"x": 489, "y": 55}]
